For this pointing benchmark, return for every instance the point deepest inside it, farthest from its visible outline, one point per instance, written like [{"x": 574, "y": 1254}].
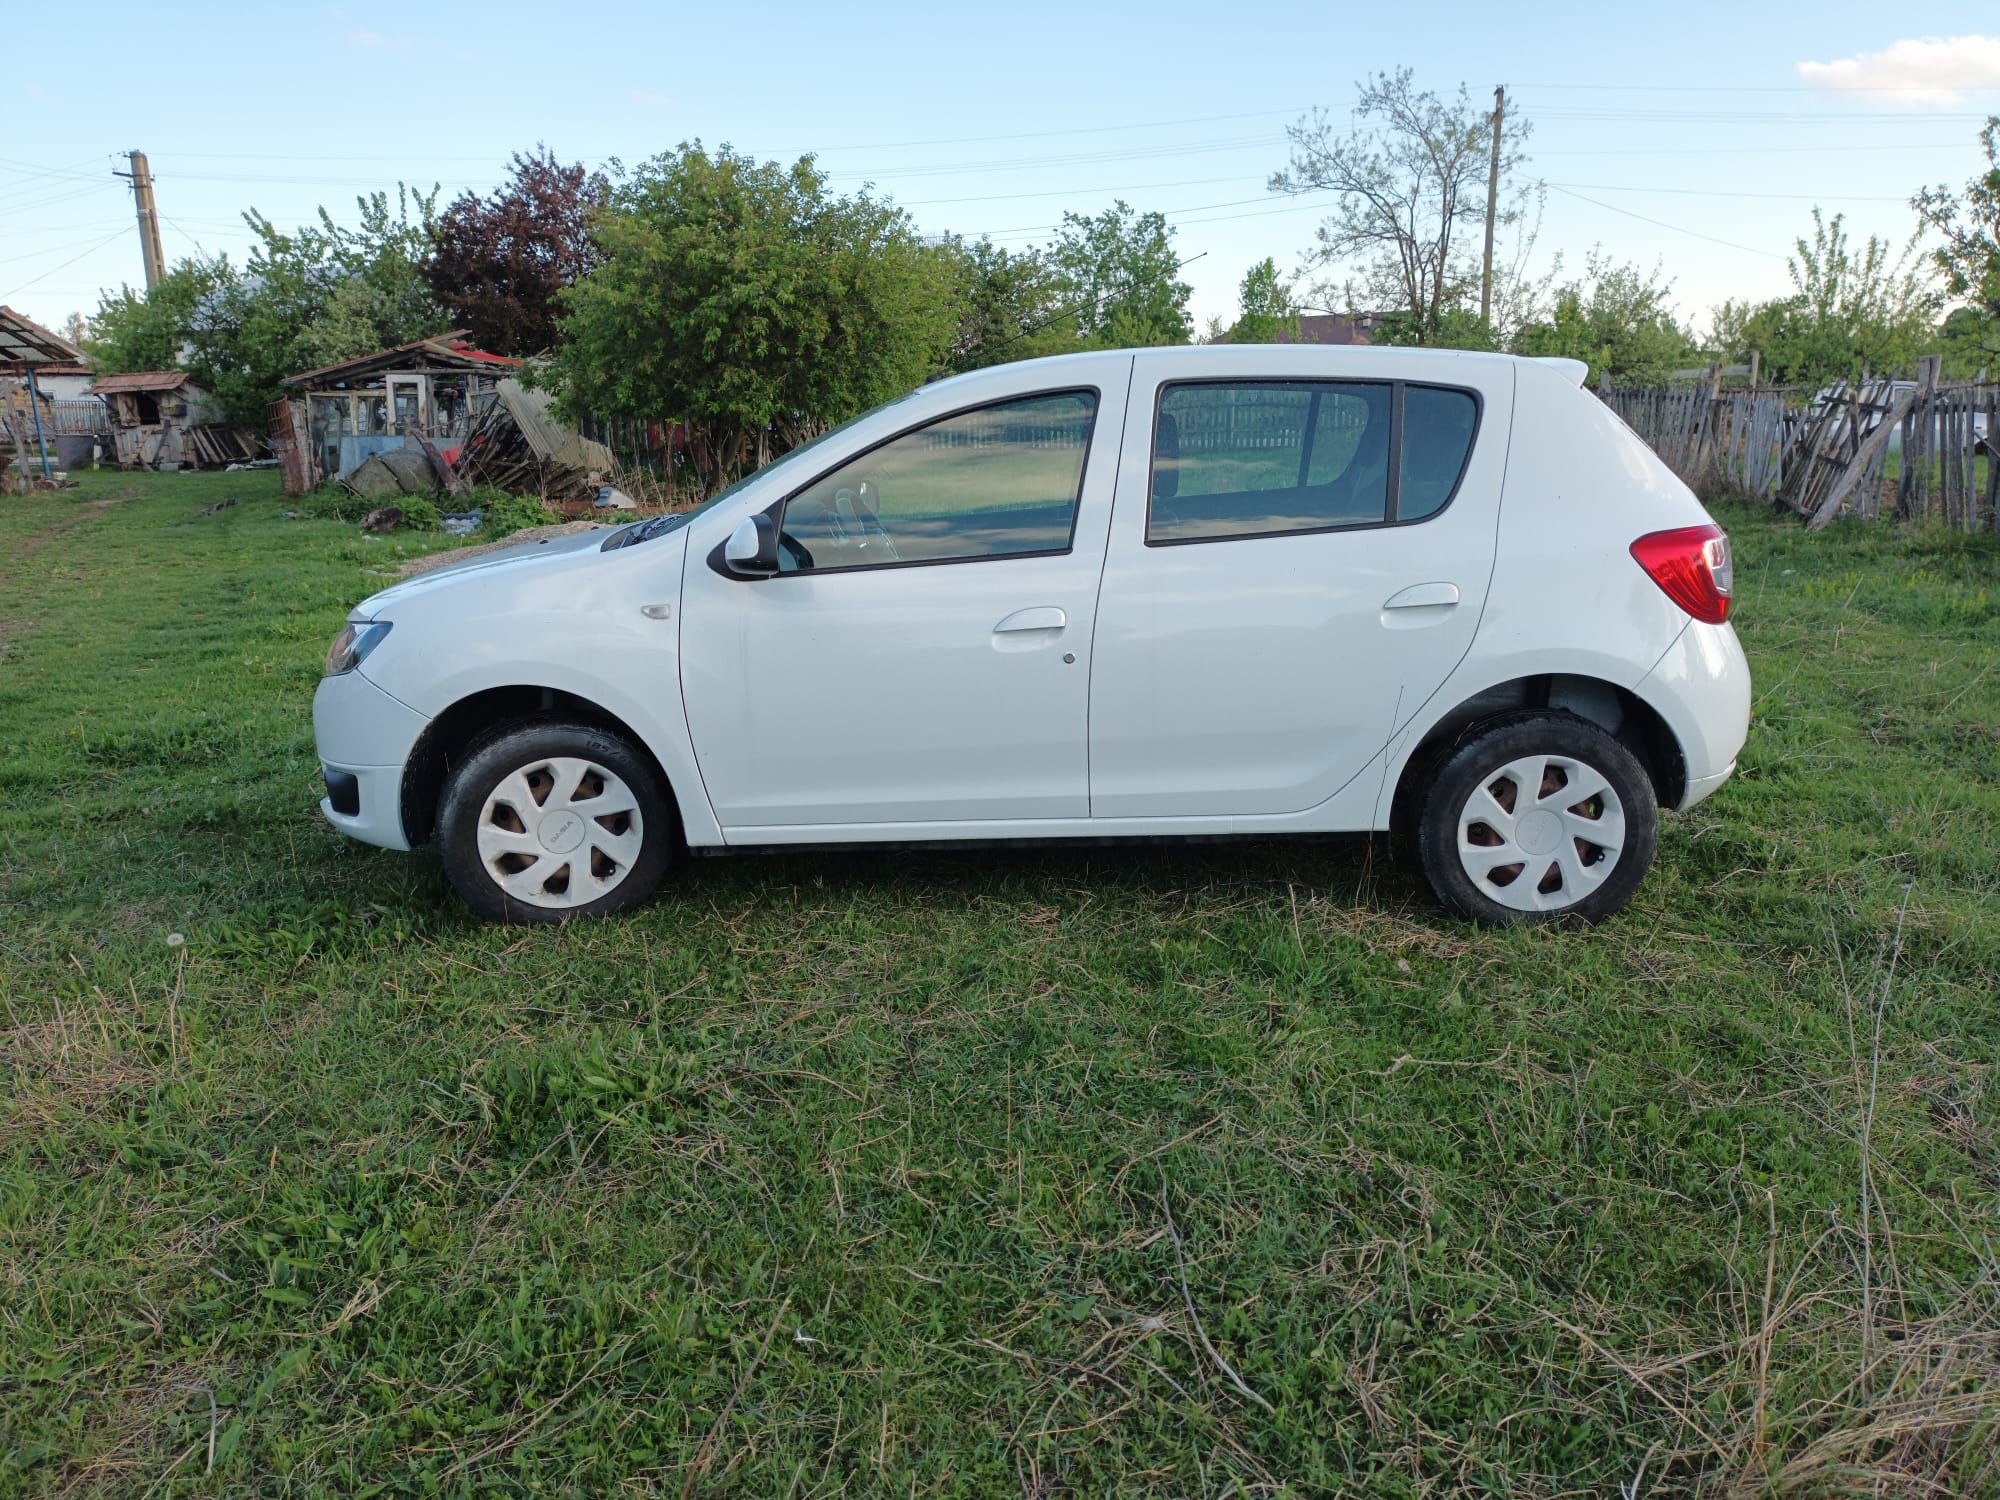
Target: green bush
[{"x": 504, "y": 513}]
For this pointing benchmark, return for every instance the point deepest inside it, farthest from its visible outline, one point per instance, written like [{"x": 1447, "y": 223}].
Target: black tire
[
  {"x": 1480, "y": 761},
  {"x": 523, "y": 748}
]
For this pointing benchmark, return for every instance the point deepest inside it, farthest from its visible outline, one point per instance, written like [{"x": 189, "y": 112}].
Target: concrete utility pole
[
  {"x": 1492, "y": 207},
  {"x": 149, "y": 219}
]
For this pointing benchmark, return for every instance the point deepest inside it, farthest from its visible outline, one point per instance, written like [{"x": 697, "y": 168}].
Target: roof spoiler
[{"x": 1575, "y": 369}]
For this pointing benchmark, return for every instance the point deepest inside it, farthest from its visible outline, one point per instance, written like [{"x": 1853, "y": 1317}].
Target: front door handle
[
  {"x": 1043, "y": 617},
  {"x": 1423, "y": 596}
]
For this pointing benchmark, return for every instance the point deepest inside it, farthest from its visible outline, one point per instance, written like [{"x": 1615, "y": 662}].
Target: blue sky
[{"x": 1698, "y": 137}]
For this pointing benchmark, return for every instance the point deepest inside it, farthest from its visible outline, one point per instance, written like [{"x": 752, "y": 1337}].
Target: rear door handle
[
  {"x": 1043, "y": 617},
  {"x": 1423, "y": 596}
]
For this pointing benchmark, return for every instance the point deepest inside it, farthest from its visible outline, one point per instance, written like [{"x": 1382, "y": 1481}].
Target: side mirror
[{"x": 752, "y": 548}]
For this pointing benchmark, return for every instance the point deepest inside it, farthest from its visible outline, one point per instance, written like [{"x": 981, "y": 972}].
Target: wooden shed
[
  {"x": 429, "y": 391},
  {"x": 153, "y": 414}
]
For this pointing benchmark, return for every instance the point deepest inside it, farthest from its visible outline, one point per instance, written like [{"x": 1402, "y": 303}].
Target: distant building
[
  {"x": 153, "y": 417},
  {"x": 431, "y": 389},
  {"x": 42, "y": 377}
]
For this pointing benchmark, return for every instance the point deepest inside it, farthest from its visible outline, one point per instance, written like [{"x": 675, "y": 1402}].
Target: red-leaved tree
[{"x": 499, "y": 261}]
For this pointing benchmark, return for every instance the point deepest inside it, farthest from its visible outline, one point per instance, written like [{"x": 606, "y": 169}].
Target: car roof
[{"x": 1220, "y": 358}]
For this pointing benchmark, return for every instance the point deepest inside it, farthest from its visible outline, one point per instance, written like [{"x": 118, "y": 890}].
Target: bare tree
[{"x": 1411, "y": 180}]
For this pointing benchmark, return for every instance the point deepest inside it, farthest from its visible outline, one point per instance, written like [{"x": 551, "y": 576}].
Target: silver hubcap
[
  {"x": 1541, "y": 833},
  {"x": 560, "y": 833}
]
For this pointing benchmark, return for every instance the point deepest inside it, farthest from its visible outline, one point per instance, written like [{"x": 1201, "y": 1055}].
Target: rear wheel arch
[
  {"x": 463, "y": 727},
  {"x": 1619, "y": 711}
]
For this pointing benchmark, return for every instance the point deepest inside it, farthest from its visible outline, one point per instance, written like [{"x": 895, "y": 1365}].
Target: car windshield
[{"x": 645, "y": 531}]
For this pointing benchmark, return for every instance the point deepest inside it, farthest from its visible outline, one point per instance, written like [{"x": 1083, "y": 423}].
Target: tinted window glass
[
  {"x": 1002, "y": 481},
  {"x": 1437, "y": 435},
  {"x": 1264, "y": 457}
]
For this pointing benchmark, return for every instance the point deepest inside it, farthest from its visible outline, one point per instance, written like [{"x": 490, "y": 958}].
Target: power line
[
  {"x": 1733, "y": 88},
  {"x": 1619, "y": 187},
  {"x": 5, "y": 296},
  {"x": 1662, "y": 224}
]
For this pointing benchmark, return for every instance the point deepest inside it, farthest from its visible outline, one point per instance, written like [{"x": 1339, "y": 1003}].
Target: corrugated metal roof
[
  {"x": 550, "y": 438},
  {"x": 25, "y": 342},
  {"x": 449, "y": 349},
  {"x": 139, "y": 380}
]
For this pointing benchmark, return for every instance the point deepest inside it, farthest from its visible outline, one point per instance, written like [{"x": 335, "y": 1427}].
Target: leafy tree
[
  {"x": 155, "y": 329},
  {"x": 1411, "y": 185},
  {"x": 1969, "y": 259},
  {"x": 318, "y": 294},
  {"x": 499, "y": 261},
  {"x": 1969, "y": 340},
  {"x": 1969, "y": 225},
  {"x": 1012, "y": 305},
  {"x": 1852, "y": 309},
  {"x": 1456, "y": 327},
  {"x": 1121, "y": 267},
  {"x": 1267, "y": 306},
  {"x": 1616, "y": 318},
  {"x": 745, "y": 299}
]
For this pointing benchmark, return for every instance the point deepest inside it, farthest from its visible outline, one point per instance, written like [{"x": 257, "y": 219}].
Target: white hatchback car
[{"x": 1246, "y": 590}]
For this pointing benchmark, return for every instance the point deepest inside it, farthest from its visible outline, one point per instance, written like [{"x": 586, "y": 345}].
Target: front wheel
[
  {"x": 1537, "y": 817},
  {"x": 551, "y": 820}
]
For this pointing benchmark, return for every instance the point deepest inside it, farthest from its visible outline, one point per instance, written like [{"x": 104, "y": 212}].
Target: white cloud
[
  {"x": 1916, "y": 70},
  {"x": 651, "y": 100},
  {"x": 364, "y": 38}
]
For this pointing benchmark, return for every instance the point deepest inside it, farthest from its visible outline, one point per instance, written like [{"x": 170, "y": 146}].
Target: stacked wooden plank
[
  {"x": 518, "y": 445},
  {"x": 217, "y": 447}
]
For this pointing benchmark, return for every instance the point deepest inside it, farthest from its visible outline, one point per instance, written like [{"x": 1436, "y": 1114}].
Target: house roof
[
  {"x": 445, "y": 351},
  {"x": 1332, "y": 328},
  {"x": 24, "y": 342},
  {"x": 139, "y": 380},
  {"x": 63, "y": 370}
]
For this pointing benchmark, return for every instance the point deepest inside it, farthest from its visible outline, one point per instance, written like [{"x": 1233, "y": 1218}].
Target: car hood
[{"x": 527, "y": 556}]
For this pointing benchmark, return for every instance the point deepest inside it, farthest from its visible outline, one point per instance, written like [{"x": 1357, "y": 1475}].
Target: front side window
[
  {"x": 1001, "y": 481},
  {"x": 1267, "y": 458}
]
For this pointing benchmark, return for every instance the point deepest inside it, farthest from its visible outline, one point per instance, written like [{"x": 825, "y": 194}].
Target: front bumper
[{"x": 366, "y": 735}]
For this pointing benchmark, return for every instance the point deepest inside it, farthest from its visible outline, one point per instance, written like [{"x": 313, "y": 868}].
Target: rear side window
[{"x": 1267, "y": 458}]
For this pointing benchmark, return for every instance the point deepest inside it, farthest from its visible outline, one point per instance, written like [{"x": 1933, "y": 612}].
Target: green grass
[{"x": 851, "y": 1173}]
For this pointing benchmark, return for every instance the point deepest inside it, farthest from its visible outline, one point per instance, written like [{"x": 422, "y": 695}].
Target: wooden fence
[
  {"x": 1713, "y": 438},
  {"x": 1911, "y": 449}
]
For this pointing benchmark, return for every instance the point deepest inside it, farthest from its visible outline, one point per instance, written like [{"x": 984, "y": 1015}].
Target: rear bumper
[
  {"x": 365, "y": 738},
  {"x": 1701, "y": 687}
]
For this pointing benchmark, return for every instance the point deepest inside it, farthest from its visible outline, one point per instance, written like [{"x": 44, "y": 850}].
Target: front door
[
  {"x": 922, "y": 656},
  {"x": 1298, "y": 559}
]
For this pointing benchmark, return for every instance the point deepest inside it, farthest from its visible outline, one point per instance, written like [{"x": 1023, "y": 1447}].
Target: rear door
[{"x": 1299, "y": 554}]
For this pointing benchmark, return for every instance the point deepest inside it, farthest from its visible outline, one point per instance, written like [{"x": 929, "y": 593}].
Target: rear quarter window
[{"x": 1438, "y": 425}]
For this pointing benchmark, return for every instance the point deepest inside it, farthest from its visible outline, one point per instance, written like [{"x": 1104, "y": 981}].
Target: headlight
[{"x": 351, "y": 647}]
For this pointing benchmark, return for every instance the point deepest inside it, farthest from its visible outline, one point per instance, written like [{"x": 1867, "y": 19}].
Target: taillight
[{"x": 1692, "y": 565}]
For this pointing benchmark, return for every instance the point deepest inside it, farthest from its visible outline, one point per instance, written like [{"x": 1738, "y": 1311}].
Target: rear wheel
[
  {"x": 1537, "y": 817},
  {"x": 552, "y": 820}
]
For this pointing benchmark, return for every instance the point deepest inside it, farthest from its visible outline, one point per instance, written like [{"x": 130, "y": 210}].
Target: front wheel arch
[{"x": 459, "y": 729}]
